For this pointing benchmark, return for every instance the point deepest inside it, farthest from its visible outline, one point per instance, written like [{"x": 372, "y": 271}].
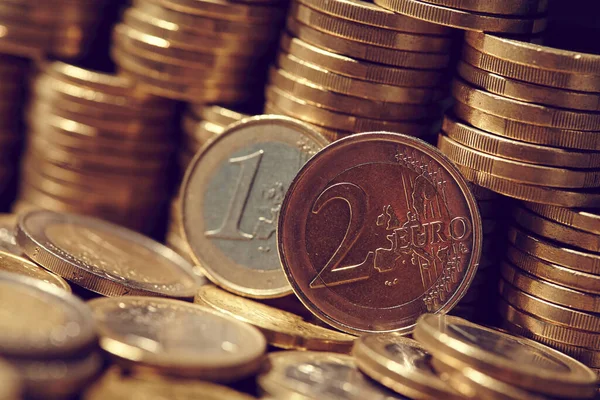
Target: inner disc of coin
[
  {"x": 178, "y": 337},
  {"x": 377, "y": 229},
  {"x": 38, "y": 319},
  {"x": 104, "y": 257},
  {"x": 231, "y": 198}
]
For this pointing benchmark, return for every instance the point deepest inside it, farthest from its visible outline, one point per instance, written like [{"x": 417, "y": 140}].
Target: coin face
[
  {"x": 19, "y": 265},
  {"x": 377, "y": 229},
  {"x": 103, "y": 257},
  {"x": 38, "y": 319},
  {"x": 319, "y": 375},
  {"x": 176, "y": 337},
  {"x": 231, "y": 199}
]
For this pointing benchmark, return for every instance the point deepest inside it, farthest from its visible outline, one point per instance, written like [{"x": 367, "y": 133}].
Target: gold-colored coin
[
  {"x": 304, "y": 111},
  {"x": 218, "y": 115},
  {"x": 513, "y": 360},
  {"x": 148, "y": 331},
  {"x": 557, "y": 231},
  {"x": 528, "y": 92},
  {"x": 356, "y": 87},
  {"x": 42, "y": 320},
  {"x": 281, "y": 328},
  {"x": 235, "y": 11},
  {"x": 524, "y": 112},
  {"x": 510, "y": 7},
  {"x": 362, "y": 51},
  {"x": 550, "y": 291},
  {"x": 402, "y": 365},
  {"x": 584, "y": 220},
  {"x": 541, "y": 327},
  {"x": 515, "y": 150},
  {"x": 368, "y": 34},
  {"x": 329, "y": 134},
  {"x": 292, "y": 374},
  {"x": 103, "y": 257},
  {"x": 8, "y": 242},
  {"x": 10, "y": 382},
  {"x": 456, "y": 18},
  {"x": 529, "y": 133},
  {"x": 518, "y": 171},
  {"x": 18, "y": 265}
]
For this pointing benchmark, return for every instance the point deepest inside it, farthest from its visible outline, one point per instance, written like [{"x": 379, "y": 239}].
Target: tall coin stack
[
  {"x": 96, "y": 146},
  {"x": 198, "y": 51},
  {"x": 351, "y": 66}
]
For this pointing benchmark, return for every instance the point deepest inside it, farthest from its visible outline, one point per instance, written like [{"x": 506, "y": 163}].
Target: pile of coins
[
  {"x": 94, "y": 145},
  {"x": 60, "y": 28},
  {"x": 350, "y": 66},
  {"x": 198, "y": 51}
]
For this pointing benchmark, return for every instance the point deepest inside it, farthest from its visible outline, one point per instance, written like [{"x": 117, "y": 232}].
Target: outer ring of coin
[
  {"x": 292, "y": 229},
  {"x": 580, "y": 381},
  {"x": 39, "y": 248},
  {"x": 27, "y": 268},
  {"x": 269, "y": 284}
]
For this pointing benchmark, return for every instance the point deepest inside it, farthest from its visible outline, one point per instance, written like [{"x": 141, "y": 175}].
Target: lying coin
[
  {"x": 231, "y": 197},
  {"x": 8, "y": 242},
  {"x": 343, "y": 205},
  {"x": 21, "y": 266},
  {"x": 103, "y": 257},
  {"x": 177, "y": 338}
]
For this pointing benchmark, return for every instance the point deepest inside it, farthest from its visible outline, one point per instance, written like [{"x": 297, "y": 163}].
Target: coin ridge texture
[{"x": 341, "y": 272}]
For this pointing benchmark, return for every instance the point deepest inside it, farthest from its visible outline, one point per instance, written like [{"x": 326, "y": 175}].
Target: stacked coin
[
  {"x": 551, "y": 282},
  {"x": 483, "y": 363},
  {"x": 350, "y": 66},
  {"x": 96, "y": 146},
  {"x": 198, "y": 51},
  {"x": 60, "y": 28}
]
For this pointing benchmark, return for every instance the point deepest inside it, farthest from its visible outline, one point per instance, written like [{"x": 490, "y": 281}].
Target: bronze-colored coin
[
  {"x": 550, "y": 291},
  {"x": 362, "y": 51},
  {"x": 557, "y": 231},
  {"x": 366, "y": 13},
  {"x": 529, "y": 73},
  {"x": 346, "y": 279},
  {"x": 45, "y": 321},
  {"x": 292, "y": 374},
  {"x": 525, "y": 132},
  {"x": 524, "y": 112},
  {"x": 402, "y": 365},
  {"x": 514, "y": 150},
  {"x": 367, "y": 34},
  {"x": 19, "y": 265},
  {"x": 314, "y": 114},
  {"x": 363, "y": 70},
  {"x": 541, "y": 57},
  {"x": 235, "y": 11},
  {"x": 11, "y": 387},
  {"x": 513, "y": 360},
  {"x": 216, "y": 347},
  {"x": 234, "y": 240},
  {"x": 529, "y": 92},
  {"x": 356, "y": 87},
  {"x": 584, "y": 220},
  {"x": 103, "y": 257},
  {"x": 541, "y": 327},
  {"x": 466, "y": 20},
  {"x": 281, "y": 328},
  {"x": 506, "y": 8},
  {"x": 518, "y": 171},
  {"x": 548, "y": 311}
]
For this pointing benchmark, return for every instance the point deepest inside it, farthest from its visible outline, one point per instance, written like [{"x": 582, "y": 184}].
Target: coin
[
  {"x": 514, "y": 360},
  {"x": 224, "y": 9},
  {"x": 340, "y": 270},
  {"x": 103, "y": 257},
  {"x": 401, "y": 364},
  {"x": 18, "y": 265},
  {"x": 8, "y": 243},
  {"x": 219, "y": 115},
  {"x": 177, "y": 338},
  {"x": 10, "y": 382},
  {"x": 231, "y": 199},
  {"x": 584, "y": 220},
  {"x": 41, "y": 320},
  {"x": 281, "y": 328},
  {"x": 318, "y": 375},
  {"x": 512, "y": 7}
]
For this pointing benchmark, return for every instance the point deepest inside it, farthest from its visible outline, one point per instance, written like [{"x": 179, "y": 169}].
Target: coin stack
[
  {"x": 198, "y": 51},
  {"x": 60, "y": 28},
  {"x": 95, "y": 144},
  {"x": 350, "y": 66}
]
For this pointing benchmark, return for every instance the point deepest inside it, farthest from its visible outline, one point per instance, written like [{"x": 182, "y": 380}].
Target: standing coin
[
  {"x": 377, "y": 229},
  {"x": 177, "y": 338},
  {"x": 231, "y": 197},
  {"x": 19, "y": 265},
  {"x": 103, "y": 257}
]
